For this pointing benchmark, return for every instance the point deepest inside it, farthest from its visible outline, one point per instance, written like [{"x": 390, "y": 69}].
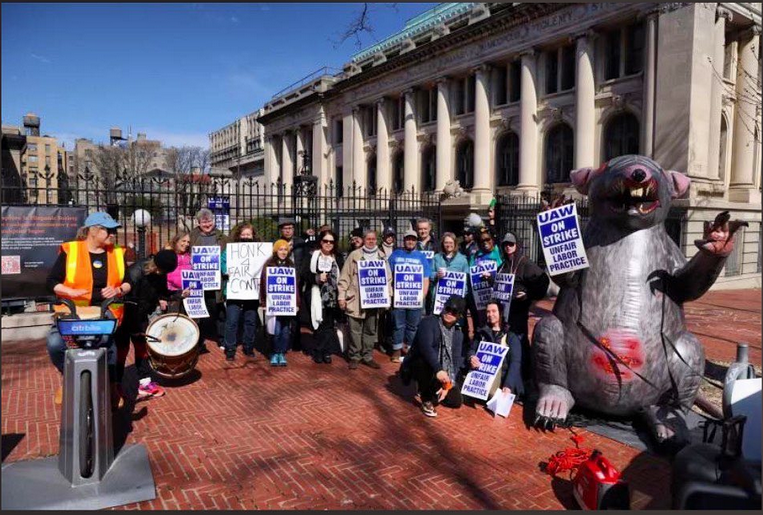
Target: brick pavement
[{"x": 244, "y": 436}]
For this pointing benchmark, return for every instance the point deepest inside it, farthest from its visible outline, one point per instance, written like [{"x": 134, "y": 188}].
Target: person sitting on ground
[
  {"x": 148, "y": 289},
  {"x": 495, "y": 331},
  {"x": 435, "y": 358},
  {"x": 88, "y": 271}
]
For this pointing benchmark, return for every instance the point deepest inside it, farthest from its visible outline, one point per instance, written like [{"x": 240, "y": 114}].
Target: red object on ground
[{"x": 569, "y": 459}]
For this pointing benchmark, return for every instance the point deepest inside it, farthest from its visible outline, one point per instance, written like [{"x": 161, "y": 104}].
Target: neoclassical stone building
[{"x": 509, "y": 98}]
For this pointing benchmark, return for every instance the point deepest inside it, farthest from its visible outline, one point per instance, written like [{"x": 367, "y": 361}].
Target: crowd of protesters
[{"x": 435, "y": 350}]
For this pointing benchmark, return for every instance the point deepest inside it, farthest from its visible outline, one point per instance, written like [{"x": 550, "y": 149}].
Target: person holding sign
[
  {"x": 436, "y": 358},
  {"x": 411, "y": 280},
  {"x": 237, "y": 309},
  {"x": 487, "y": 252},
  {"x": 495, "y": 331},
  {"x": 530, "y": 285},
  {"x": 363, "y": 320},
  {"x": 322, "y": 296},
  {"x": 205, "y": 234},
  {"x": 284, "y": 324},
  {"x": 181, "y": 245},
  {"x": 449, "y": 260}
]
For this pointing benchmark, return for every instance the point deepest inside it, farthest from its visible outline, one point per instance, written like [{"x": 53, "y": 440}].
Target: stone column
[
  {"x": 383, "y": 176},
  {"x": 287, "y": 163},
  {"x": 411, "y": 175},
  {"x": 319, "y": 151},
  {"x": 299, "y": 136},
  {"x": 716, "y": 92},
  {"x": 347, "y": 132},
  {"x": 482, "y": 182},
  {"x": 444, "y": 171},
  {"x": 358, "y": 156},
  {"x": 745, "y": 120},
  {"x": 585, "y": 108},
  {"x": 270, "y": 171},
  {"x": 650, "y": 64},
  {"x": 529, "y": 176}
]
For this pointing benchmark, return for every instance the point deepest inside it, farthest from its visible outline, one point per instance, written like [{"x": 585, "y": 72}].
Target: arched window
[
  {"x": 371, "y": 175},
  {"x": 398, "y": 171},
  {"x": 429, "y": 168},
  {"x": 621, "y": 136},
  {"x": 507, "y": 160},
  {"x": 465, "y": 164},
  {"x": 560, "y": 146},
  {"x": 722, "y": 148}
]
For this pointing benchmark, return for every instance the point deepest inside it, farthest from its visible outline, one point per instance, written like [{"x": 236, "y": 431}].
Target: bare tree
[{"x": 360, "y": 24}]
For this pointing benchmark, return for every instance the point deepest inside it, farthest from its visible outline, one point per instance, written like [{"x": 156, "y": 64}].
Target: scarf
[
  {"x": 446, "y": 350},
  {"x": 367, "y": 253}
]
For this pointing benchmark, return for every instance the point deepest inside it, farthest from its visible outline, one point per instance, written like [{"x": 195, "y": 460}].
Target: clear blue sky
[{"x": 174, "y": 71}]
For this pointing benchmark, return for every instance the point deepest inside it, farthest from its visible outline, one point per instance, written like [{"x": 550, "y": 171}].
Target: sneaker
[
  {"x": 372, "y": 364},
  {"x": 58, "y": 398},
  {"x": 274, "y": 360},
  {"x": 327, "y": 359},
  {"x": 353, "y": 365},
  {"x": 395, "y": 358},
  {"x": 282, "y": 360},
  {"x": 428, "y": 409},
  {"x": 222, "y": 347}
]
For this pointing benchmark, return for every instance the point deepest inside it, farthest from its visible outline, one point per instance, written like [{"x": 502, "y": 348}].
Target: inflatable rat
[{"x": 617, "y": 341}]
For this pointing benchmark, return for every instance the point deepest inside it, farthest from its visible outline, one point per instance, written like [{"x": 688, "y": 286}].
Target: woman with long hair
[
  {"x": 181, "y": 245},
  {"x": 322, "y": 295},
  {"x": 236, "y": 310},
  {"x": 284, "y": 325}
]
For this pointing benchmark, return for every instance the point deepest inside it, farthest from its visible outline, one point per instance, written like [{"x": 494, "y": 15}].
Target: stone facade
[
  {"x": 509, "y": 98},
  {"x": 238, "y": 147}
]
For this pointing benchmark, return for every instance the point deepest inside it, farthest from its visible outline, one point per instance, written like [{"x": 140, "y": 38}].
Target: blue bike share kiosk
[{"x": 85, "y": 474}]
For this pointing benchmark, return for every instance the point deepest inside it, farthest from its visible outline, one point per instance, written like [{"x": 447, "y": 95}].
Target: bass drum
[{"x": 172, "y": 345}]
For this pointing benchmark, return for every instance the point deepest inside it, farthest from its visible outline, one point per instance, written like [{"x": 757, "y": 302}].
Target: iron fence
[
  {"x": 172, "y": 202},
  {"x": 518, "y": 215}
]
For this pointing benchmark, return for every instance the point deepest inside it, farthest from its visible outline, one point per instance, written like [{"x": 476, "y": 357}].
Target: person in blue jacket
[
  {"x": 406, "y": 320},
  {"x": 449, "y": 260},
  {"x": 488, "y": 251}
]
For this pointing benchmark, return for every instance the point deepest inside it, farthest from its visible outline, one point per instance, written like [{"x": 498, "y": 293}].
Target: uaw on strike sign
[
  {"x": 281, "y": 291},
  {"x": 372, "y": 282},
  {"x": 561, "y": 240},
  {"x": 479, "y": 383},
  {"x": 409, "y": 286}
]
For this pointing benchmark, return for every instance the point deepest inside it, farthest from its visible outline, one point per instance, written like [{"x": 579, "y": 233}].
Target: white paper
[
  {"x": 745, "y": 400},
  {"x": 501, "y": 403},
  {"x": 244, "y": 262}
]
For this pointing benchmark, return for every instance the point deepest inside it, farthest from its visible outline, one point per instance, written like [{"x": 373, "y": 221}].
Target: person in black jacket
[
  {"x": 148, "y": 281},
  {"x": 495, "y": 331},
  {"x": 530, "y": 284},
  {"x": 435, "y": 358}
]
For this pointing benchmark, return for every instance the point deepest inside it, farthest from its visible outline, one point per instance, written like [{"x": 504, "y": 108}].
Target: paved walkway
[{"x": 244, "y": 436}]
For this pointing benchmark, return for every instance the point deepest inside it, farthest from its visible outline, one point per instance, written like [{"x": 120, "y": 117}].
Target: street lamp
[{"x": 142, "y": 219}]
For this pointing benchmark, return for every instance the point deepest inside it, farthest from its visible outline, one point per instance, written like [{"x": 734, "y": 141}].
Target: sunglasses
[
  {"x": 111, "y": 231},
  {"x": 509, "y": 244},
  {"x": 328, "y": 241},
  {"x": 486, "y": 240}
]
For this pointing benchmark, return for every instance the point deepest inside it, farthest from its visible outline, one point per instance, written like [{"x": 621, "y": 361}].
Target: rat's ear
[
  {"x": 580, "y": 179},
  {"x": 680, "y": 183}
]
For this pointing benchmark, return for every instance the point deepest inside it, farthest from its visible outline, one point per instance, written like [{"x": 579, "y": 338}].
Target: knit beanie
[{"x": 166, "y": 261}]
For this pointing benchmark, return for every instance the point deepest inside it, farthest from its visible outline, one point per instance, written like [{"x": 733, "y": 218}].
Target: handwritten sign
[
  {"x": 325, "y": 263},
  {"x": 503, "y": 287},
  {"x": 479, "y": 382},
  {"x": 482, "y": 288},
  {"x": 561, "y": 240},
  {"x": 409, "y": 284},
  {"x": 452, "y": 283},
  {"x": 206, "y": 260},
  {"x": 244, "y": 266},
  {"x": 194, "y": 304},
  {"x": 281, "y": 291},
  {"x": 372, "y": 279}
]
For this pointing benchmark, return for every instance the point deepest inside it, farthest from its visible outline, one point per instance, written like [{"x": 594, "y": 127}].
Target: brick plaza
[{"x": 242, "y": 435}]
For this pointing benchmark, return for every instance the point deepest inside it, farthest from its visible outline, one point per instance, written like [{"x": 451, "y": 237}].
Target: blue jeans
[
  {"x": 406, "y": 322},
  {"x": 282, "y": 336},
  {"x": 234, "y": 310},
  {"x": 57, "y": 351}
]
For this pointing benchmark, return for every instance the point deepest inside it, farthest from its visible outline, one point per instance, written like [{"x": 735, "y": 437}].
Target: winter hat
[
  {"x": 279, "y": 244},
  {"x": 166, "y": 261}
]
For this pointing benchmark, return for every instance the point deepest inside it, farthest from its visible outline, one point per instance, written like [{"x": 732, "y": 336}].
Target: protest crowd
[{"x": 450, "y": 312}]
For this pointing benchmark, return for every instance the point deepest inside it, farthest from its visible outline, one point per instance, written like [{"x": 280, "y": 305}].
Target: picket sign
[{"x": 561, "y": 240}]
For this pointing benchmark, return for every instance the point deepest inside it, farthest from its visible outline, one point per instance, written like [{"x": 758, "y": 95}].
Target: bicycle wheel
[{"x": 86, "y": 426}]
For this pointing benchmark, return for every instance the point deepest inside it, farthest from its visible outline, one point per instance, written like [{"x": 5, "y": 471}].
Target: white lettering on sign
[{"x": 562, "y": 243}]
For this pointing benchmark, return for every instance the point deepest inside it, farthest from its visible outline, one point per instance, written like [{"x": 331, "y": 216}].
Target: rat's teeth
[{"x": 637, "y": 192}]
